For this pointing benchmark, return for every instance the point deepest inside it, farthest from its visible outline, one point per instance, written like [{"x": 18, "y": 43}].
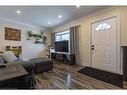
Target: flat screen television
[{"x": 61, "y": 46}]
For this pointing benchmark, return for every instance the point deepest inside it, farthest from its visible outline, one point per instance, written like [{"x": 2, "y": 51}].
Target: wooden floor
[{"x": 66, "y": 77}]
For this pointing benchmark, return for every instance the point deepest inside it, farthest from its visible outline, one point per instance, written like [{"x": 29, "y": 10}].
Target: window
[
  {"x": 58, "y": 38},
  {"x": 61, "y": 36},
  {"x": 65, "y": 36},
  {"x": 103, "y": 26}
]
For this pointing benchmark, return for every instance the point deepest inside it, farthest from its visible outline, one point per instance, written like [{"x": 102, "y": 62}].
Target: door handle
[{"x": 92, "y": 47}]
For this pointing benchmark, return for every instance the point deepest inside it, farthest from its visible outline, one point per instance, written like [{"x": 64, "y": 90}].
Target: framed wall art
[{"x": 12, "y": 34}]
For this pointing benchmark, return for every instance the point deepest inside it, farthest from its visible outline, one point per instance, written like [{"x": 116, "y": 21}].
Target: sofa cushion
[{"x": 1, "y": 60}]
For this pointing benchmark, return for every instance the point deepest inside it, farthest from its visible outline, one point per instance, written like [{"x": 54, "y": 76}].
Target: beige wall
[
  {"x": 124, "y": 26},
  {"x": 85, "y": 33},
  {"x": 30, "y": 50}
]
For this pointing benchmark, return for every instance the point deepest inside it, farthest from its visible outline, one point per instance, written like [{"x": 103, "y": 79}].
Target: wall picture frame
[{"x": 12, "y": 34}]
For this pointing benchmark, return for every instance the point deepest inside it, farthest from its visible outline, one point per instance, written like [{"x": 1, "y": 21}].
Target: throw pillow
[
  {"x": 9, "y": 56},
  {"x": 1, "y": 60}
]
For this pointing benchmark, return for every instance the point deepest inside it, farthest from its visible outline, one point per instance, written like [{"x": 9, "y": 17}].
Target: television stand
[{"x": 63, "y": 57}]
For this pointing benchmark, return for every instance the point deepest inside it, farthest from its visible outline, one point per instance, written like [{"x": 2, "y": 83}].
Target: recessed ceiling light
[
  {"x": 59, "y": 16},
  {"x": 18, "y": 12},
  {"x": 77, "y": 5},
  {"x": 49, "y": 22}
]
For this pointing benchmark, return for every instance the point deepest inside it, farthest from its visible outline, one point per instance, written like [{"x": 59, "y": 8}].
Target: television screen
[{"x": 61, "y": 46}]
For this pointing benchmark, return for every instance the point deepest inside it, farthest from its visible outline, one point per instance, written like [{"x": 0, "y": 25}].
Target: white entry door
[{"x": 104, "y": 45}]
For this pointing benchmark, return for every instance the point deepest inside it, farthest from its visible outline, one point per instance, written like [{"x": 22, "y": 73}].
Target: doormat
[{"x": 111, "y": 78}]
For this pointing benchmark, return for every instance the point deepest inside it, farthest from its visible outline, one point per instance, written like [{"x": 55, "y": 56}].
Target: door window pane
[{"x": 103, "y": 26}]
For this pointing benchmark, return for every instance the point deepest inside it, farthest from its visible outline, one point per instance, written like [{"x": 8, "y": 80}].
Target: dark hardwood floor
[{"x": 65, "y": 76}]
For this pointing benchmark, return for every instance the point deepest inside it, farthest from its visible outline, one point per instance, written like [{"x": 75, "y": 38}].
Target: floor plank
[{"x": 65, "y": 76}]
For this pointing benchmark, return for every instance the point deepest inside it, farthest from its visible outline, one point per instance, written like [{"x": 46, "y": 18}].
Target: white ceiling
[{"x": 40, "y": 15}]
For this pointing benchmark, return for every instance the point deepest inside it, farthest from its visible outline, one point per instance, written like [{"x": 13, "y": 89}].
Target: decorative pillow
[
  {"x": 9, "y": 56},
  {"x": 1, "y": 60}
]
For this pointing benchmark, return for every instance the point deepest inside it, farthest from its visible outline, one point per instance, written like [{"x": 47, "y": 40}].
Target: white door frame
[{"x": 118, "y": 56}]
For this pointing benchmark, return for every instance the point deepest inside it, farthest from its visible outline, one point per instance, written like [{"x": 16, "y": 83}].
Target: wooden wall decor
[{"x": 12, "y": 34}]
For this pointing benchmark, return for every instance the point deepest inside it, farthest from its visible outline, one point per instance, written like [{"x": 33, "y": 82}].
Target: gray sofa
[{"x": 36, "y": 65}]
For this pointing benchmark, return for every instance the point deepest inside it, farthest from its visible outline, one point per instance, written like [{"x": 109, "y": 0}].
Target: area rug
[{"x": 111, "y": 78}]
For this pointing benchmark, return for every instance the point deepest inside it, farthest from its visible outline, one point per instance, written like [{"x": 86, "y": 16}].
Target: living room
[{"x": 63, "y": 47}]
